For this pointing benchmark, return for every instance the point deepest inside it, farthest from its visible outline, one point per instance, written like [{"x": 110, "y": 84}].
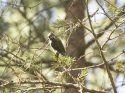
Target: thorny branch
[
  {"x": 102, "y": 31},
  {"x": 101, "y": 51},
  {"x": 48, "y": 85}
]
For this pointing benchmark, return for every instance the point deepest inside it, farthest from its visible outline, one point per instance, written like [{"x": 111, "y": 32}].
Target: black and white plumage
[{"x": 56, "y": 44}]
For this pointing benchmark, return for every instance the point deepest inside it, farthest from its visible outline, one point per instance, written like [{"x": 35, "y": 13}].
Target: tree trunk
[{"x": 75, "y": 45}]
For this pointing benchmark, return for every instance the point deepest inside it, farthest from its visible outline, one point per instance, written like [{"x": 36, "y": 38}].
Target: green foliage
[
  {"x": 61, "y": 25},
  {"x": 111, "y": 6},
  {"x": 82, "y": 75},
  {"x": 64, "y": 61},
  {"x": 120, "y": 66},
  {"x": 63, "y": 76}
]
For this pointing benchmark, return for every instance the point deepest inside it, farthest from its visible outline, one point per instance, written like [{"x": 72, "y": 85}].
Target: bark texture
[{"x": 75, "y": 45}]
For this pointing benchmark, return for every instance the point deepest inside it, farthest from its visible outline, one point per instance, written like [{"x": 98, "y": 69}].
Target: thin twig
[
  {"x": 101, "y": 52},
  {"x": 106, "y": 13},
  {"x": 53, "y": 84},
  {"x": 102, "y": 31}
]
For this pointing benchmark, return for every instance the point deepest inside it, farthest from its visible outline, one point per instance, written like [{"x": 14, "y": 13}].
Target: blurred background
[{"x": 25, "y": 52}]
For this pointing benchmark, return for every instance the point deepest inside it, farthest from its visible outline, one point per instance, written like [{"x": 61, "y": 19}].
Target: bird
[{"x": 56, "y": 44}]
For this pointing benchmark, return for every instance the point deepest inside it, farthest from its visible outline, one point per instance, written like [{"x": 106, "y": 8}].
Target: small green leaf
[
  {"x": 82, "y": 75},
  {"x": 66, "y": 60}
]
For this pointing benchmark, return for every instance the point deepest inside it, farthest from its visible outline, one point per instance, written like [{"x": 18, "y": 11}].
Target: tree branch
[{"x": 101, "y": 51}]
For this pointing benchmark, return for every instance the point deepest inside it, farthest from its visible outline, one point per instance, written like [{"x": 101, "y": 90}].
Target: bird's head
[{"x": 51, "y": 35}]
